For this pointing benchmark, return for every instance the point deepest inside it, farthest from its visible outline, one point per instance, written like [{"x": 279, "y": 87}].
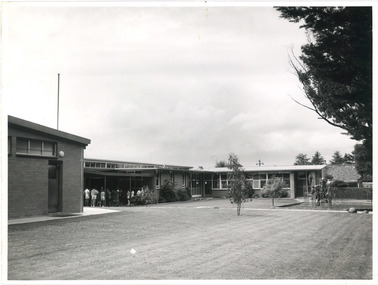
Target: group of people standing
[
  {"x": 322, "y": 191},
  {"x": 110, "y": 198}
]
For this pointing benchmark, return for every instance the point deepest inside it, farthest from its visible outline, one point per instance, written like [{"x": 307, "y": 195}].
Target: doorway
[
  {"x": 302, "y": 188},
  {"x": 208, "y": 185},
  {"x": 55, "y": 186}
]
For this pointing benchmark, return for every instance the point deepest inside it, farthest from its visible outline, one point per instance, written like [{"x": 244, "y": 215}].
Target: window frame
[
  {"x": 183, "y": 177},
  {"x": 40, "y": 152},
  {"x": 157, "y": 180},
  {"x": 215, "y": 181}
]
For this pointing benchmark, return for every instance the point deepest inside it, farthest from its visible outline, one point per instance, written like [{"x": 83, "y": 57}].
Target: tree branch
[{"x": 305, "y": 84}]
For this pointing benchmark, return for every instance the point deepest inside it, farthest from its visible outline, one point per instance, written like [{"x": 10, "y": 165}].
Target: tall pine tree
[{"x": 335, "y": 67}]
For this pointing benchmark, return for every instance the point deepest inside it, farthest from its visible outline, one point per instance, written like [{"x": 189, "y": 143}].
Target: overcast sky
[{"x": 171, "y": 85}]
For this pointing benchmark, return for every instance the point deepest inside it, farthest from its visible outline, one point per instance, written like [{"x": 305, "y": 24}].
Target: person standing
[
  {"x": 108, "y": 198},
  {"x": 329, "y": 193},
  {"x": 117, "y": 197},
  {"x": 128, "y": 197},
  {"x": 87, "y": 197},
  {"x": 94, "y": 193},
  {"x": 102, "y": 196},
  {"x": 122, "y": 197}
]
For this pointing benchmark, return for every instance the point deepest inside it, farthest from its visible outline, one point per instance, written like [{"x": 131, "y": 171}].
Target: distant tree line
[
  {"x": 357, "y": 157},
  {"x": 230, "y": 164},
  {"x": 318, "y": 159}
]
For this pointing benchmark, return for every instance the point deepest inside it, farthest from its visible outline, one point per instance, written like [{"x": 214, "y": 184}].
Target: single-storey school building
[
  {"x": 110, "y": 174},
  {"x": 210, "y": 182},
  {"x": 47, "y": 173},
  {"x": 45, "y": 170},
  {"x": 298, "y": 178}
]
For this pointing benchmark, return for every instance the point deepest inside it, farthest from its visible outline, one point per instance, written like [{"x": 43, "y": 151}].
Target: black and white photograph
[{"x": 187, "y": 142}]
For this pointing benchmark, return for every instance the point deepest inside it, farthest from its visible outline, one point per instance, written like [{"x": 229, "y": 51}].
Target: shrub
[
  {"x": 256, "y": 196},
  {"x": 188, "y": 192},
  {"x": 149, "y": 196},
  {"x": 251, "y": 191},
  {"x": 182, "y": 195},
  {"x": 283, "y": 194},
  {"x": 274, "y": 189},
  {"x": 167, "y": 192},
  {"x": 136, "y": 200},
  {"x": 266, "y": 194}
]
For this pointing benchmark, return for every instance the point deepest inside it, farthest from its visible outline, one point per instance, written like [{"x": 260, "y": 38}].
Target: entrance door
[
  {"x": 301, "y": 184},
  {"x": 197, "y": 185},
  {"x": 55, "y": 187},
  {"x": 208, "y": 187}
]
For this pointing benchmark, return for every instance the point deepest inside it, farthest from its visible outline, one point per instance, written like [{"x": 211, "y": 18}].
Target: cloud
[{"x": 165, "y": 84}]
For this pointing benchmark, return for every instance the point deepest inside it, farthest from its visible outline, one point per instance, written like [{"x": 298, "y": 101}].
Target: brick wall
[
  {"x": 166, "y": 175},
  {"x": 27, "y": 186},
  {"x": 72, "y": 187},
  {"x": 28, "y": 177}
]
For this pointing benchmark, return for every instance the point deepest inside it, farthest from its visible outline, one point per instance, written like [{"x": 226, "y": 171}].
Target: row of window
[
  {"x": 258, "y": 181},
  {"x": 94, "y": 164},
  {"x": 33, "y": 147},
  {"x": 172, "y": 178},
  {"x": 115, "y": 165},
  {"x": 220, "y": 181}
]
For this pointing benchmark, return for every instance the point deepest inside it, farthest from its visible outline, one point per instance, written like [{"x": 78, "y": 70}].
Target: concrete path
[{"x": 87, "y": 211}]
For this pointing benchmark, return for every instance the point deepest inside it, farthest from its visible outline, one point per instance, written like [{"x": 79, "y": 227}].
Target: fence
[{"x": 342, "y": 193}]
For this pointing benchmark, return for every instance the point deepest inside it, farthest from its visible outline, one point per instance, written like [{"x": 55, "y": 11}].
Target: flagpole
[{"x": 57, "y": 119}]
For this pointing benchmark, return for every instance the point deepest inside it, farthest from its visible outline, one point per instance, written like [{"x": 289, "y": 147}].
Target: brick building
[{"x": 45, "y": 170}]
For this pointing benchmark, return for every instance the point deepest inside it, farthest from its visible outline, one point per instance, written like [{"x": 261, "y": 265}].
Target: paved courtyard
[{"x": 203, "y": 240}]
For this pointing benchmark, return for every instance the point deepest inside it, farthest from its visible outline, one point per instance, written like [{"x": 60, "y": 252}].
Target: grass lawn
[{"x": 196, "y": 240}]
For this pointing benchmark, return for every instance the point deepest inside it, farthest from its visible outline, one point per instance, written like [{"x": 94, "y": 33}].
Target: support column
[{"x": 292, "y": 185}]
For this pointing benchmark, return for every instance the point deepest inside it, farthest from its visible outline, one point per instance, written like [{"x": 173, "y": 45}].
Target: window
[
  {"x": 157, "y": 180},
  {"x": 22, "y": 145},
  {"x": 48, "y": 148},
  {"x": 183, "y": 180},
  {"x": 259, "y": 181},
  {"x": 216, "y": 181},
  {"x": 35, "y": 147},
  {"x": 111, "y": 165},
  {"x": 195, "y": 181},
  {"x": 224, "y": 181},
  {"x": 284, "y": 176}
]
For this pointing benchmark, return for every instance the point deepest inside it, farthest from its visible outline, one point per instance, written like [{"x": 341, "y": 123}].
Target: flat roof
[
  {"x": 150, "y": 165},
  {"x": 46, "y": 130},
  {"x": 268, "y": 168},
  {"x": 137, "y": 166}
]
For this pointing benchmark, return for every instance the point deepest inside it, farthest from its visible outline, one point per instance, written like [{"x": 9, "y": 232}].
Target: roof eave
[{"x": 46, "y": 130}]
